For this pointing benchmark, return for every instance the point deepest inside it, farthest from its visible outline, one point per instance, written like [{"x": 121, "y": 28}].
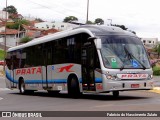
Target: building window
[
  {"x": 62, "y": 25},
  {"x": 47, "y": 26},
  {"x": 149, "y": 41}
]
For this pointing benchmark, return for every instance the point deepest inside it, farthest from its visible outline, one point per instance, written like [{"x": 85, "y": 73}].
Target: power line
[{"x": 47, "y": 7}]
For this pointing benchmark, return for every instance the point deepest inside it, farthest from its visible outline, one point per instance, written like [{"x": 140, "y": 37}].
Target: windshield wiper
[
  {"x": 132, "y": 56},
  {"x": 122, "y": 67}
]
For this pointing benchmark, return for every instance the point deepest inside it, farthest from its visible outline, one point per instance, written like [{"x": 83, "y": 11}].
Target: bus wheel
[
  {"x": 21, "y": 86},
  {"x": 73, "y": 87},
  {"x": 115, "y": 94}
]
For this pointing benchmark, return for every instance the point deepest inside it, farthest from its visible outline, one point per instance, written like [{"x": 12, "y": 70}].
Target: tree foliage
[
  {"x": 90, "y": 22},
  {"x": 157, "y": 49},
  {"x": 25, "y": 39},
  {"x": 18, "y": 24},
  {"x": 121, "y": 26},
  {"x": 99, "y": 21},
  {"x": 70, "y": 18},
  {"x": 39, "y": 20},
  {"x": 10, "y": 9}
]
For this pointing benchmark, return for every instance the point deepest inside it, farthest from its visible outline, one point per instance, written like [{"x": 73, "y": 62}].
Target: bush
[
  {"x": 1, "y": 55},
  {"x": 156, "y": 70},
  {"x": 25, "y": 39}
]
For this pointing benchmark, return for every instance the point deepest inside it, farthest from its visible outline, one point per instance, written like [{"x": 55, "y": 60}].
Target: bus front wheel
[
  {"x": 21, "y": 86},
  {"x": 22, "y": 89},
  {"x": 73, "y": 87}
]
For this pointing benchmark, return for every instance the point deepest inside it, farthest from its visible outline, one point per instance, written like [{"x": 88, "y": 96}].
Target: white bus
[{"x": 87, "y": 59}]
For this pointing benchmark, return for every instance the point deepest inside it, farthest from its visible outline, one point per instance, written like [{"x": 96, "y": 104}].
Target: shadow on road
[{"x": 102, "y": 97}]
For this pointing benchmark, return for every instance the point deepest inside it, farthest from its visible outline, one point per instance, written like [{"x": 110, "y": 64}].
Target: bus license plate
[{"x": 134, "y": 85}]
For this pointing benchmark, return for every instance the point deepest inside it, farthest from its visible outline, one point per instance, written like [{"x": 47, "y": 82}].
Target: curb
[{"x": 156, "y": 90}]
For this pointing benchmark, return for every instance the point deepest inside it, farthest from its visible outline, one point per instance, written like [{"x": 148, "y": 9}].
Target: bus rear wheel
[
  {"x": 115, "y": 94},
  {"x": 73, "y": 87}
]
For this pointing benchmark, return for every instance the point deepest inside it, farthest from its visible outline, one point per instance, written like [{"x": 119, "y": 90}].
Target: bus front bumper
[{"x": 112, "y": 85}]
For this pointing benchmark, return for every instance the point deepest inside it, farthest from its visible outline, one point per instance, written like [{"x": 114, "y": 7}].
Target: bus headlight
[
  {"x": 150, "y": 77},
  {"x": 110, "y": 77}
]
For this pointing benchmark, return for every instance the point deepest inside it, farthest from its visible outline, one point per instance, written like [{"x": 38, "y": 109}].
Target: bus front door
[{"x": 88, "y": 75}]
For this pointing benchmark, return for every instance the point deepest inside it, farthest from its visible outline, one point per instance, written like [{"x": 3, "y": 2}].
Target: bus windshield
[{"x": 123, "y": 52}]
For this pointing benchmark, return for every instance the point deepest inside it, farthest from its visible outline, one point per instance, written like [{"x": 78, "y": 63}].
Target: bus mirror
[{"x": 98, "y": 43}]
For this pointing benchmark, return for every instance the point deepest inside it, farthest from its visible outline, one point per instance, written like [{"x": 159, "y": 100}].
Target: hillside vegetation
[{"x": 1, "y": 55}]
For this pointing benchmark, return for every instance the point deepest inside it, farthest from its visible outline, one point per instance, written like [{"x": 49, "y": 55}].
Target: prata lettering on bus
[
  {"x": 26, "y": 71},
  {"x": 66, "y": 68},
  {"x": 134, "y": 76}
]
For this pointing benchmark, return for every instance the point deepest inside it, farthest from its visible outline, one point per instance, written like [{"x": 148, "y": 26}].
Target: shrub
[
  {"x": 25, "y": 39},
  {"x": 156, "y": 70}
]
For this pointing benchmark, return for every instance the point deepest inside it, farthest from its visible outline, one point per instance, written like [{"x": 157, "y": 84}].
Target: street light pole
[
  {"x": 87, "y": 10},
  {"x": 5, "y": 35}
]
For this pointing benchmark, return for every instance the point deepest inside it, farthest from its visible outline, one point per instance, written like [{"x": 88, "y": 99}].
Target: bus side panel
[
  {"x": 32, "y": 77},
  {"x": 60, "y": 73}
]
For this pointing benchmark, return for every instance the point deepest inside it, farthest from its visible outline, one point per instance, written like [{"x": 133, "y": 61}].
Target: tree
[
  {"x": 121, "y": 26},
  {"x": 10, "y": 9},
  {"x": 133, "y": 32},
  {"x": 39, "y": 20},
  {"x": 99, "y": 21},
  {"x": 25, "y": 39},
  {"x": 157, "y": 49},
  {"x": 18, "y": 24},
  {"x": 70, "y": 18},
  {"x": 89, "y": 22}
]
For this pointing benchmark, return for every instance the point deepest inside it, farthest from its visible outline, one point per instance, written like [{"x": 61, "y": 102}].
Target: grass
[{"x": 1, "y": 55}]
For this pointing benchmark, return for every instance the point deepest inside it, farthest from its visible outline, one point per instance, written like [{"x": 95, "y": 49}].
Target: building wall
[
  {"x": 12, "y": 40},
  {"x": 3, "y": 15},
  {"x": 57, "y": 25},
  {"x": 2, "y": 29},
  {"x": 150, "y": 42}
]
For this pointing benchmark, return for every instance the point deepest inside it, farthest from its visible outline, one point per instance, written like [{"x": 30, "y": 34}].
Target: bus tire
[
  {"x": 115, "y": 94},
  {"x": 22, "y": 89},
  {"x": 21, "y": 86},
  {"x": 73, "y": 87}
]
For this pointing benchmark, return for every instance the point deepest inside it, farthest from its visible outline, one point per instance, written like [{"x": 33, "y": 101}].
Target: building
[
  {"x": 12, "y": 37},
  {"x": 55, "y": 25},
  {"x": 150, "y": 42},
  {"x": 3, "y": 15}
]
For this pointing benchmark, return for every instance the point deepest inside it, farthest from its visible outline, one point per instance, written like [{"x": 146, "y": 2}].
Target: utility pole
[
  {"x": 110, "y": 21},
  {"x": 87, "y": 11},
  {"x": 5, "y": 36}
]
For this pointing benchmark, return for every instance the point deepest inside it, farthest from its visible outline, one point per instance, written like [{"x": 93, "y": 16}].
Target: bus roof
[{"x": 92, "y": 30}]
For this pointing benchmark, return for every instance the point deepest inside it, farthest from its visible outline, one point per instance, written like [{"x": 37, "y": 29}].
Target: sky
[{"x": 141, "y": 16}]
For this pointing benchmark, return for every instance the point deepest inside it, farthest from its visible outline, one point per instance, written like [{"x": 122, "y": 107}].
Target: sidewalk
[{"x": 156, "y": 88}]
